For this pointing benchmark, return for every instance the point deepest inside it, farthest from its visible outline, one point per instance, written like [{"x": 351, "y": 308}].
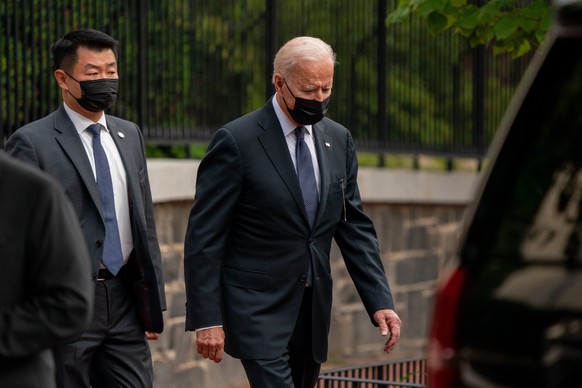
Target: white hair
[{"x": 301, "y": 49}]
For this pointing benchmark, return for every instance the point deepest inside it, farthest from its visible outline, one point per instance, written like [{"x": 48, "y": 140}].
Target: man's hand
[
  {"x": 151, "y": 336},
  {"x": 210, "y": 343},
  {"x": 389, "y": 323}
]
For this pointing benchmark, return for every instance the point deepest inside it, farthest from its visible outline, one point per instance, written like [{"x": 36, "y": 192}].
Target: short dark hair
[{"x": 64, "y": 50}]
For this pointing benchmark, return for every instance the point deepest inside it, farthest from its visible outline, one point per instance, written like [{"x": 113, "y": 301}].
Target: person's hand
[
  {"x": 210, "y": 343},
  {"x": 151, "y": 336},
  {"x": 388, "y": 323}
]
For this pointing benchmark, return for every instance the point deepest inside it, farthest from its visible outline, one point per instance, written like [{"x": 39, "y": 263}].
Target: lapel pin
[
  {"x": 327, "y": 144},
  {"x": 121, "y": 135}
]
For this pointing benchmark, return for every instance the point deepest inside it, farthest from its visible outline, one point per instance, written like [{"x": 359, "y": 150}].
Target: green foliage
[
  {"x": 190, "y": 151},
  {"x": 189, "y": 66},
  {"x": 508, "y": 25},
  {"x": 194, "y": 63}
]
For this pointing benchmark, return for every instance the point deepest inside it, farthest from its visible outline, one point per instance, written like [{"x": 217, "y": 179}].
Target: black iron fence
[
  {"x": 188, "y": 66},
  {"x": 409, "y": 372}
]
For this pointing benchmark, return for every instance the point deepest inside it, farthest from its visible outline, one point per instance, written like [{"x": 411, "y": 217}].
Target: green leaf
[
  {"x": 528, "y": 25},
  {"x": 541, "y": 34},
  {"x": 546, "y": 21},
  {"x": 404, "y": 3},
  {"x": 464, "y": 32},
  {"x": 522, "y": 49},
  {"x": 469, "y": 19},
  {"x": 505, "y": 27},
  {"x": 437, "y": 22},
  {"x": 536, "y": 9},
  {"x": 402, "y": 11},
  {"x": 438, "y": 5},
  {"x": 398, "y": 15},
  {"x": 484, "y": 33},
  {"x": 426, "y": 7},
  {"x": 489, "y": 12}
]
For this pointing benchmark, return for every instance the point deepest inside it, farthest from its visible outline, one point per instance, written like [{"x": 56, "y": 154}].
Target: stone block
[
  {"x": 419, "y": 314},
  {"x": 173, "y": 262},
  {"x": 176, "y": 300},
  {"x": 417, "y": 269}
]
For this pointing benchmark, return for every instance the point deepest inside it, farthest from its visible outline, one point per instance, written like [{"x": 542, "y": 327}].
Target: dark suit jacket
[
  {"x": 46, "y": 292},
  {"x": 248, "y": 242},
  {"x": 53, "y": 144}
]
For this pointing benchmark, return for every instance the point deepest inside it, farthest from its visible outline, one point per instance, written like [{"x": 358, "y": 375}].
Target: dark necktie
[
  {"x": 307, "y": 183},
  {"x": 112, "y": 256}
]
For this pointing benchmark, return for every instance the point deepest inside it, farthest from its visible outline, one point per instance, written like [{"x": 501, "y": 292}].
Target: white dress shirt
[
  {"x": 118, "y": 176},
  {"x": 289, "y": 133}
]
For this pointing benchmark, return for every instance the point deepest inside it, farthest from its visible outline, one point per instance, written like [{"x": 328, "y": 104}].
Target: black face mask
[
  {"x": 97, "y": 95},
  {"x": 307, "y": 112}
]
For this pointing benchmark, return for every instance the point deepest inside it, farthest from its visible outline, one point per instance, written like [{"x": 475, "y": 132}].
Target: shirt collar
[
  {"x": 81, "y": 122},
  {"x": 286, "y": 125}
]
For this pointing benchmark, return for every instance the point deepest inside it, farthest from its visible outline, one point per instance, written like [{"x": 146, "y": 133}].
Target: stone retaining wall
[{"x": 417, "y": 217}]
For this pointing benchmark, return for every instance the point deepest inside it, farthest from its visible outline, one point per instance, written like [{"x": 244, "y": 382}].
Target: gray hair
[{"x": 301, "y": 49}]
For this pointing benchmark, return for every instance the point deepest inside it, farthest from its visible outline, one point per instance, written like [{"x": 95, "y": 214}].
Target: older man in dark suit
[
  {"x": 275, "y": 187},
  {"x": 46, "y": 292},
  {"x": 100, "y": 161}
]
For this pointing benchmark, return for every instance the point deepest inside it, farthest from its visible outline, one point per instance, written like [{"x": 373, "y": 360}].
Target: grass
[
  {"x": 365, "y": 159},
  {"x": 417, "y": 162}
]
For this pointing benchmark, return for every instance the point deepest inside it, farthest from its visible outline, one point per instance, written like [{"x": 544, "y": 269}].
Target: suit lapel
[
  {"x": 125, "y": 152},
  {"x": 275, "y": 146},
  {"x": 68, "y": 138},
  {"x": 120, "y": 139},
  {"x": 323, "y": 148}
]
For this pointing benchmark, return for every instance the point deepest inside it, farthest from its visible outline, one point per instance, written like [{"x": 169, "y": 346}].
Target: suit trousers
[
  {"x": 113, "y": 351},
  {"x": 296, "y": 367}
]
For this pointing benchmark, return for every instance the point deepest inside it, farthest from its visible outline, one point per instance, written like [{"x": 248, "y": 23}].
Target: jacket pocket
[{"x": 241, "y": 277}]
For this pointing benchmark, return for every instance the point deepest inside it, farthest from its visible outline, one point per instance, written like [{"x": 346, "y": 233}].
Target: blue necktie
[
  {"x": 307, "y": 183},
  {"x": 112, "y": 256}
]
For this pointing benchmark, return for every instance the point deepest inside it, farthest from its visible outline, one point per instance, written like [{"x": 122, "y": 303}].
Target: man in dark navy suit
[{"x": 273, "y": 190}]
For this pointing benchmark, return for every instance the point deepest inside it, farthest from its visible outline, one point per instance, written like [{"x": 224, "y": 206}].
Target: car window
[{"x": 531, "y": 211}]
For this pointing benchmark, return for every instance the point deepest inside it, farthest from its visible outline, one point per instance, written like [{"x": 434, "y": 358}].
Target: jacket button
[
  {"x": 303, "y": 278},
  {"x": 98, "y": 243}
]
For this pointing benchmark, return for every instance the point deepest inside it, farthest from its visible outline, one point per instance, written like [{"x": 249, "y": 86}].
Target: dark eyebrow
[{"x": 92, "y": 66}]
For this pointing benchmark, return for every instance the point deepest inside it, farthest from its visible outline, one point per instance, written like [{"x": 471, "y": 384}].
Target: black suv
[{"x": 509, "y": 311}]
